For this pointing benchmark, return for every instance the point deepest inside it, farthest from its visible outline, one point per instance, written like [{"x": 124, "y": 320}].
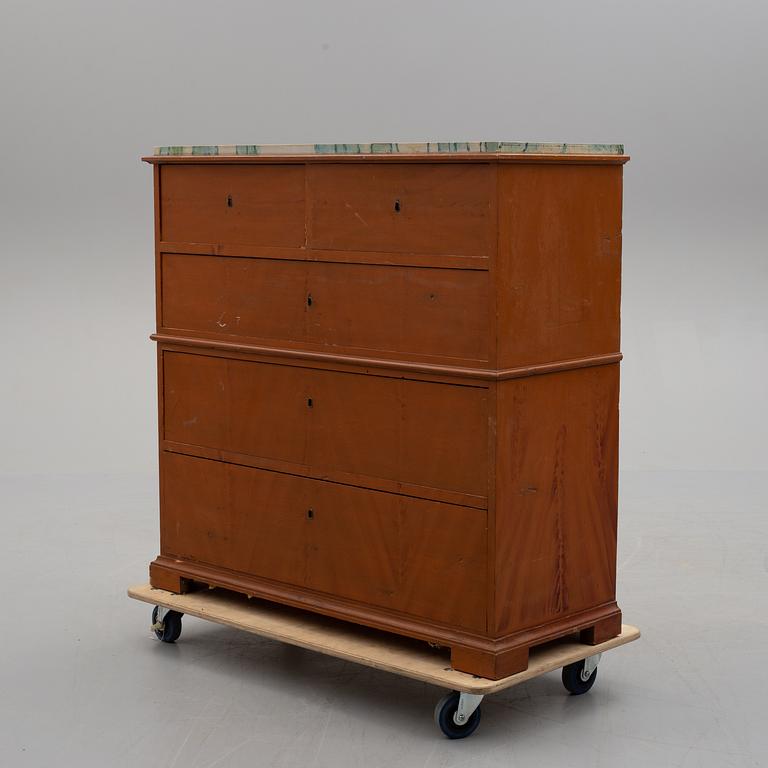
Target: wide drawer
[
  {"x": 362, "y": 308},
  {"x": 402, "y": 207},
  {"x": 233, "y": 204},
  {"x": 400, "y": 553},
  {"x": 421, "y": 433}
]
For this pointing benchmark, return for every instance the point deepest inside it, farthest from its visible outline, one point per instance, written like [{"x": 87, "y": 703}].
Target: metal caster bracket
[
  {"x": 159, "y": 624},
  {"x": 590, "y": 665},
  {"x": 468, "y": 703}
]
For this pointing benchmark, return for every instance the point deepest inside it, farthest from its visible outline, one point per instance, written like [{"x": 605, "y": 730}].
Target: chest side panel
[
  {"x": 556, "y": 495},
  {"x": 559, "y": 262}
]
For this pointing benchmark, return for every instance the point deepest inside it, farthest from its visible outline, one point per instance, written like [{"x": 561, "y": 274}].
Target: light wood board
[{"x": 392, "y": 653}]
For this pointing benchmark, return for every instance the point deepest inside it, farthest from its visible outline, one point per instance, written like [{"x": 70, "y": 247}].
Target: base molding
[{"x": 487, "y": 657}]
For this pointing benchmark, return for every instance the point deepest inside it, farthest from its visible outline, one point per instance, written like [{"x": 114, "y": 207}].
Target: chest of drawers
[{"x": 388, "y": 386}]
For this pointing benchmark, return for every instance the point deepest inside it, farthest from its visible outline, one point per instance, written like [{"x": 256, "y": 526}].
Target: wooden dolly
[{"x": 457, "y": 713}]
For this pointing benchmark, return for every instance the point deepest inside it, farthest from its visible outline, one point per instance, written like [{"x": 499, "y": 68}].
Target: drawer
[
  {"x": 391, "y": 551},
  {"x": 402, "y": 207},
  {"x": 233, "y": 204},
  {"x": 422, "y": 433},
  {"x": 356, "y": 308}
]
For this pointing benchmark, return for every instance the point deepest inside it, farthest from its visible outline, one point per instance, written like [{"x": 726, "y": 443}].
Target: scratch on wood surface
[{"x": 356, "y": 214}]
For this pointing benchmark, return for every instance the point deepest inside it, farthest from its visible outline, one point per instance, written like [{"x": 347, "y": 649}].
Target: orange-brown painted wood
[
  {"x": 209, "y": 204},
  {"x": 414, "y": 209},
  {"x": 556, "y": 496},
  {"x": 421, "y": 433},
  {"x": 389, "y": 392},
  {"x": 558, "y": 273},
  {"x": 357, "y": 308},
  {"x": 374, "y": 548}
]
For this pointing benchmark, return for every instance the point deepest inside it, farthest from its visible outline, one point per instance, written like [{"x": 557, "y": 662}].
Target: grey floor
[{"x": 84, "y": 683}]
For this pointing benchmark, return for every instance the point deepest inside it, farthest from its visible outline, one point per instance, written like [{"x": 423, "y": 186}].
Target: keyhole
[
  {"x": 397, "y": 206},
  {"x": 309, "y": 299},
  {"x": 309, "y": 402},
  {"x": 229, "y": 201},
  {"x": 310, "y": 514}
]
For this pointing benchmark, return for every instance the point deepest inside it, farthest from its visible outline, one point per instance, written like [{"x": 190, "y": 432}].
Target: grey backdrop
[{"x": 86, "y": 88}]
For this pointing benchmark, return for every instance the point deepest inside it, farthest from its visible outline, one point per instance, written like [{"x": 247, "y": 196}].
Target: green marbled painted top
[{"x": 424, "y": 147}]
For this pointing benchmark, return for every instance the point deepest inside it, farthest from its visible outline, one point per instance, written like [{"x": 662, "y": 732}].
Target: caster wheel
[
  {"x": 171, "y": 626},
  {"x": 576, "y": 680},
  {"x": 444, "y": 712}
]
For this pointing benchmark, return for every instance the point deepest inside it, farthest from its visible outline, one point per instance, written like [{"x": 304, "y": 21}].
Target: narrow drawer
[
  {"x": 353, "y": 308},
  {"x": 402, "y": 207},
  {"x": 422, "y": 433},
  {"x": 405, "y": 554},
  {"x": 233, "y": 204}
]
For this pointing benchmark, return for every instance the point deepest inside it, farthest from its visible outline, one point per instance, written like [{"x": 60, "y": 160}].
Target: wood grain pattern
[
  {"x": 415, "y": 432},
  {"x": 556, "y": 496},
  {"x": 351, "y": 542}
]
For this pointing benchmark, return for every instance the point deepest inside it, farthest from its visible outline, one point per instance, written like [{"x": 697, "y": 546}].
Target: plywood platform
[{"x": 381, "y": 650}]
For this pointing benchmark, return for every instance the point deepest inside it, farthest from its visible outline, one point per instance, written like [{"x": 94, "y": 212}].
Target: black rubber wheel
[
  {"x": 171, "y": 626},
  {"x": 573, "y": 680},
  {"x": 444, "y": 712}
]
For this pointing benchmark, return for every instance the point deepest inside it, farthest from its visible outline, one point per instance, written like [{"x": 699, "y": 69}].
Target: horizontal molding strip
[
  {"x": 325, "y": 603},
  {"x": 482, "y": 374},
  {"x": 371, "y": 615},
  {"x": 383, "y": 258},
  {"x": 436, "y": 157},
  {"x": 366, "y": 482}
]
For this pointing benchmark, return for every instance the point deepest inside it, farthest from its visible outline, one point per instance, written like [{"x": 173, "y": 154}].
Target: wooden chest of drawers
[{"x": 388, "y": 386}]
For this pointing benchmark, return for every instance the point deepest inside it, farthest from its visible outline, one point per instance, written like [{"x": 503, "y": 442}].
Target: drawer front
[
  {"x": 360, "y": 308},
  {"x": 422, "y": 433},
  {"x": 402, "y": 207},
  {"x": 233, "y": 204},
  {"x": 421, "y": 558},
  {"x": 259, "y": 298}
]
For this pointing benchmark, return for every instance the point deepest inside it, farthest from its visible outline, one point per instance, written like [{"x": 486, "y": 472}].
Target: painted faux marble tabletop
[{"x": 426, "y": 147}]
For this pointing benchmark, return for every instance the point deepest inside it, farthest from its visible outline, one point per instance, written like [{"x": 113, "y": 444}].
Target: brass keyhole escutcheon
[
  {"x": 229, "y": 201},
  {"x": 310, "y": 514},
  {"x": 397, "y": 206}
]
